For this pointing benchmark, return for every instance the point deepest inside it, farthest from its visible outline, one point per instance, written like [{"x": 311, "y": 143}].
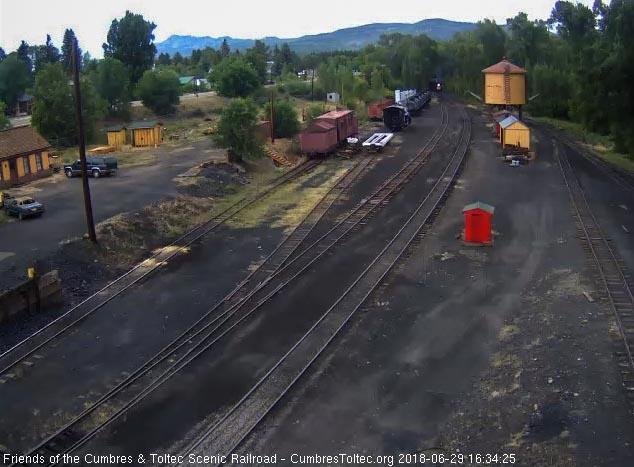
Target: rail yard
[{"x": 369, "y": 328}]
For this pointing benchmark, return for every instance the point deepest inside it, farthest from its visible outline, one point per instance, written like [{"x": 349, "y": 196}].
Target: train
[
  {"x": 409, "y": 102},
  {"x": 329, "y": 131},
  {"x": 396, "y": 117},
  {"x": 436, "y": 85}
]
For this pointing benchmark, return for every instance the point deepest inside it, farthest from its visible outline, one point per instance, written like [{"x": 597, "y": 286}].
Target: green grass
[{"x": 598, "y": 144}]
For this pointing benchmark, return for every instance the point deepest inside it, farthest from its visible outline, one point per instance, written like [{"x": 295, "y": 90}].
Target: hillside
[{"x": 343, "y": 39}]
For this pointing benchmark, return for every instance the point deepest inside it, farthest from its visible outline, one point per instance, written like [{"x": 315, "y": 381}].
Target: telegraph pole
[
  {"x": 312, "y": 87},
  {"x": 272, "y": 126},
  {"x": 82, "y": 146}
]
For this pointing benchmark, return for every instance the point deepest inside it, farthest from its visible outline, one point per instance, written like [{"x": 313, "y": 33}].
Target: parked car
[
  {"x": 4, "y": 198},
  {"x": 23, "y": 207},
  {"x": 97, "y": 166}
]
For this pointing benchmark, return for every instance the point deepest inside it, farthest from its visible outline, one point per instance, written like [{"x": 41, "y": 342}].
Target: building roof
[
  {"x": 142, "y": 124},
  {"x": 20, "y": 141},
  {"x": 505, "y": 67},
  {"x": 114, "y": 128},
  {"x": 334, "y": 114},
  {"x": 508, "y": 121},
  {"x": 185, "y": 79},
  {"x": 479, "y": 205}
]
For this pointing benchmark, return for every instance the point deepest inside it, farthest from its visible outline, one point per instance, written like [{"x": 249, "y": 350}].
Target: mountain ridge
[{"x": 351, "y": 38}]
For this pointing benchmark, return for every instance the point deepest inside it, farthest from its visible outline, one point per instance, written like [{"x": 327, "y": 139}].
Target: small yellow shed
[
  {"x": 117, "y": 136},
  {"x": 514, "y": 132},
  {"x": 146, "y": 133}
]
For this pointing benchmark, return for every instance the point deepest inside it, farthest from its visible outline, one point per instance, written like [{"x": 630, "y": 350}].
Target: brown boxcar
[
  {"x": 319, "y": 138},
  {"x": 345, "y": 121},
  {"x": 375, "y": 109}
]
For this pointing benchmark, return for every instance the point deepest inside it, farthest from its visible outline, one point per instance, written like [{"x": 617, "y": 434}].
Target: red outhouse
[{"x": 477, "y": 222}]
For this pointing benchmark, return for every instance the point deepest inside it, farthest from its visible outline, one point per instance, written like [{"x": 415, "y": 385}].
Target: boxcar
[{"x": 319, "y": 138}]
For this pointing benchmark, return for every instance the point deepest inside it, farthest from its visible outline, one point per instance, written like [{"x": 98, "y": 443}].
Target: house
[
  {"x": 24, "y": 105},
  {"x": 23, "y": 156},
  {"x": 185, "y": 80}
]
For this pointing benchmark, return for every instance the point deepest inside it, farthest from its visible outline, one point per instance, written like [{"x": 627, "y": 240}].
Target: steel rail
[
  {"x": 227, "y": 419},
  {"x": 185, "y": 359},
  {"x": 217, "y": 220},
  {"x": 68, "y": 434},
  {"x": 583, "y": 222}
]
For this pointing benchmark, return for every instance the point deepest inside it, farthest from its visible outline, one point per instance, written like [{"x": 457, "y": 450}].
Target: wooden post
[{"x": 90, "y": 222}]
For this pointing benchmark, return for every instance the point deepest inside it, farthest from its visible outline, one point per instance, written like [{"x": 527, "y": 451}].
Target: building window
[
  {"x": 38, "y": 161},
  {"x": 27, "y": 167},
  {"x": 1, "y": 173}
]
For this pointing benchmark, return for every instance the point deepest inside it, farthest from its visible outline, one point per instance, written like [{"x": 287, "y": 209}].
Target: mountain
[{"x": 343, "y": 39}]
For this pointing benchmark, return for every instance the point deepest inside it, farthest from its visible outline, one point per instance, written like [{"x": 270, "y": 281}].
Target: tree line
[{"x": 579, "y": 65}]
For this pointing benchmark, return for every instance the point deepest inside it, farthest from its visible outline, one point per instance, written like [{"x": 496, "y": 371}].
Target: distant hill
[{"x": 343, "y": 39}]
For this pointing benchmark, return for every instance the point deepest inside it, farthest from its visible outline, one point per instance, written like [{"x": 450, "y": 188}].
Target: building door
[{"x": 13, "y": 171}]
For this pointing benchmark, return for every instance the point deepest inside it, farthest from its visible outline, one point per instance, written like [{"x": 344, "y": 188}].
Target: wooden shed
[
  {"x": 147, "y": 133},
  {"x": 514, "y": 133},
  {"x": 477, "y": 222},
  {"x": 117, "y": 136}
]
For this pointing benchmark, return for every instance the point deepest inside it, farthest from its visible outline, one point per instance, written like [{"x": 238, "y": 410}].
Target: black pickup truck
[{"x": 98, "y": 166}]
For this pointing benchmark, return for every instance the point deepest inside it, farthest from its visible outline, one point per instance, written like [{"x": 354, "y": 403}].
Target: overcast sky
[{"x": 31, "y": 20}]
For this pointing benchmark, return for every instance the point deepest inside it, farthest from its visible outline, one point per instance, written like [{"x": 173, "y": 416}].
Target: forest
[{"x": 580, "y": 68}]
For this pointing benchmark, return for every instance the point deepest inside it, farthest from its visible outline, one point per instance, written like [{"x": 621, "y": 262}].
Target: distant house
[
  {"x": 185, "y": 80},
  {"x": 24, "y": 105},
  {"x": 195, "y": 81},
  {"x": 23, "y": 156}
]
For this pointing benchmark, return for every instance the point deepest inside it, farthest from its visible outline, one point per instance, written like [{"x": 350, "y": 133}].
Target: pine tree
[
  {"x": 67, "y": 51},
  {"x": 225, "y": 50}
]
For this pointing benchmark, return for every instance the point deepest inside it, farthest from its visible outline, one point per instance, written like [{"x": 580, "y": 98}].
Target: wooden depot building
[
  {"x": 138, "y": 134},
  {"x": 23, "y": 156}
]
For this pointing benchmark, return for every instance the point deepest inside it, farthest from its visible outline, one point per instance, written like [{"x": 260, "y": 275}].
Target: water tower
[{"x": 505, "y": 85}]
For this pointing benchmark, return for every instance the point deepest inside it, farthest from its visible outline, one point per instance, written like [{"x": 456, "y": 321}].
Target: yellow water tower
[{"x": 504, "y": 84}]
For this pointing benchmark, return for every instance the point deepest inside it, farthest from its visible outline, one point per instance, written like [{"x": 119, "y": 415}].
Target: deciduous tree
[
  {"x": 159, "y": 90},
  {"x": 236, "y": 129},
  {"x": 131, "y": 41}
]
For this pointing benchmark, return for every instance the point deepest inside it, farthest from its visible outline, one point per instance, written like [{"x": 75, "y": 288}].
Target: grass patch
[
  {"x": 598, "y": 144},
  {"x": 288, "y": 205}
]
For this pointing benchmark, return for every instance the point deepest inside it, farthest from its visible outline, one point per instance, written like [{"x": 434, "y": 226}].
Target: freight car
[
  {"x": 375, "y": 109},
  {"x": 328, "y": 131},
  {"x": 396, "y": 117},
  {"x": 419, "y": 100}
]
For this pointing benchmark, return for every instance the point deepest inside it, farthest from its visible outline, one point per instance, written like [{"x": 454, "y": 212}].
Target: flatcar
[{"x": 396, "y": 117}]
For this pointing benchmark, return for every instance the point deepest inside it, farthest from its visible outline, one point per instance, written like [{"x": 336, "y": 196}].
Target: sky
[{"x": 31, "y": 20}]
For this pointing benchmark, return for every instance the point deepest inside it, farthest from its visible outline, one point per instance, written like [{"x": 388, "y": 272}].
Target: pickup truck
[
  {"x": 97, "y": 167},
  {"x": 23, "y": 207}
]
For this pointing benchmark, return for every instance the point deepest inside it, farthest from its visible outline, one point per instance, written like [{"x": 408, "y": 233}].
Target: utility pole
[
  {"x": 312, "y": 87},
  {"x": 82, "y": 147},
  {"x": 272, "y": 126}
]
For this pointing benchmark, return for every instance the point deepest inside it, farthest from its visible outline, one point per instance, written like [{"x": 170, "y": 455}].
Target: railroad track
[
  {"x": 624, "y": 181},
  {"x": 19, "y": 354},
  {"x": 230, "y": 430},
  {"x": 225, "y": 316},
  {"x": 613, "y": 273}
]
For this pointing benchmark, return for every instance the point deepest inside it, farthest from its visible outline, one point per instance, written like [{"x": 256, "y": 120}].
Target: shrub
[
  {"x": 236, "y": 129},
  {"x": 285, "y": 121}
]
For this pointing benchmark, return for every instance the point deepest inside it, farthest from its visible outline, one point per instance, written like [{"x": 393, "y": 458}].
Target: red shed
[
  {"x": 477, "y": 222},
  {"x": 345, "y": 121},
  {"x": 319, "y": 138}
]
